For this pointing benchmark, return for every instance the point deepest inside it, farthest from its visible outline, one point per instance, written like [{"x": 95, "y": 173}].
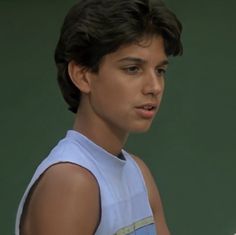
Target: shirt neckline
[{"x": 93, "y": 147}]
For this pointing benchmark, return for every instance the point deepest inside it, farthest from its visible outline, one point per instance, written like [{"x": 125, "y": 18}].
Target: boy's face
[{"x": 126, "y": 92}]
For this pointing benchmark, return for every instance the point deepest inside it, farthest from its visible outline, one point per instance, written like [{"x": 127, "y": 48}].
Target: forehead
[{"x": 148, "y": 49}]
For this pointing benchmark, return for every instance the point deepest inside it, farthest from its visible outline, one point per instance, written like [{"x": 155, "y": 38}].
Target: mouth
[
  {"x": 148, "y": 107},
  {"x": 147, "y": 111}
]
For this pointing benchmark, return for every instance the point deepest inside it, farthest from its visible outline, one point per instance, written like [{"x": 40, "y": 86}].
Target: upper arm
[
  {"x": 65, "y": 201},
  {"x": 154, "y": 198}
]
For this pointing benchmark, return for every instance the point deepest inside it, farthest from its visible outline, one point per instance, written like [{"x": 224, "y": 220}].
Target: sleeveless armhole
[{"x": 23, "y": 207}]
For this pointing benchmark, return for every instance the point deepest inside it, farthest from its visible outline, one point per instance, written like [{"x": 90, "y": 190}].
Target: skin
[{"x": 109, "y": 110}]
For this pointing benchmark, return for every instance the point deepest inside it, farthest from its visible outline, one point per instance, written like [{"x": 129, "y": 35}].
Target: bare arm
[
  {"x": 65, "y": 201},
  {"x": 154, "y": 199}
]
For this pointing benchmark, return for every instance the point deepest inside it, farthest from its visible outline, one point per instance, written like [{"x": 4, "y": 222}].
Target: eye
[
  {"x": 160, "y": 72},
  {"x": 132, "y": 69}
]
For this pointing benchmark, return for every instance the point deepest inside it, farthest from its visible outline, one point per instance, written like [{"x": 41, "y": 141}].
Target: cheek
[
  {"x": 105, "y": 99},
  {"x": 109, "y": 91},
  {"x": 113, "y": 106}
]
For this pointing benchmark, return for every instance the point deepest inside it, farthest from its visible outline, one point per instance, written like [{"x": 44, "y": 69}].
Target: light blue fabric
[
  {"x": 124, "y": 198},
  {"x": 146, "y": 230}
]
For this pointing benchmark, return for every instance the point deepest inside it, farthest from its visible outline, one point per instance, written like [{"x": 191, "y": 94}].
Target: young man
[{"x": 111, "y": 58}]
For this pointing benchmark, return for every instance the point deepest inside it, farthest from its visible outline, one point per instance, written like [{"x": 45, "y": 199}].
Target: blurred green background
[{"x": 191, "y": 146}]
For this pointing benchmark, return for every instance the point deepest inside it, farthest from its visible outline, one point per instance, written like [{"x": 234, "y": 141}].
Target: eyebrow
[{"x": 141, "y": 61}]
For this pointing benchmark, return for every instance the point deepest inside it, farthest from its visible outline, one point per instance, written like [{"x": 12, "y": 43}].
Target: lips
[
  {"x": 148, "y": 106},
  {"x": 147, "y": 111}
]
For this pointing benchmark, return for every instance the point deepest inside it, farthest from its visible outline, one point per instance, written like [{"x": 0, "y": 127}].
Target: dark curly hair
[{"x": 94, "y": 28}]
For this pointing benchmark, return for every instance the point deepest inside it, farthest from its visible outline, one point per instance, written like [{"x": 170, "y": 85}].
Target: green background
[{"x": 191, "y": 146}]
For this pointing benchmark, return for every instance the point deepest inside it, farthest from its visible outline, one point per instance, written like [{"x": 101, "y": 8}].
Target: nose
[{"x": 153, "y": 84}]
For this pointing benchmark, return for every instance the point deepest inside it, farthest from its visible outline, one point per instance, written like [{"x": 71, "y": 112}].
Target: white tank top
[{"x": 125, "y": 207}]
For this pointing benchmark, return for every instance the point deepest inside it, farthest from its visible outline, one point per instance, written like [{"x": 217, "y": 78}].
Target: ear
[{"x": 79, "y": 76}]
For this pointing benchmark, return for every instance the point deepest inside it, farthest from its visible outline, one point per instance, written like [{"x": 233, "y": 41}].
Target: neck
[{"x": 106, "y": 136}]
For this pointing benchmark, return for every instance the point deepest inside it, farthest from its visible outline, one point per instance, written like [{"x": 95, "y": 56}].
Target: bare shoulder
[
  {"x": 154, "y": 197},
  {"x": 69, "y": 174},
  {"x": 143, "y": 167},
  {"x": 65, "y": 200}
]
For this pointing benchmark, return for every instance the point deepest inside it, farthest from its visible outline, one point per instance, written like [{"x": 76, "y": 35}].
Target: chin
[{"x": 140, "y": 129}]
